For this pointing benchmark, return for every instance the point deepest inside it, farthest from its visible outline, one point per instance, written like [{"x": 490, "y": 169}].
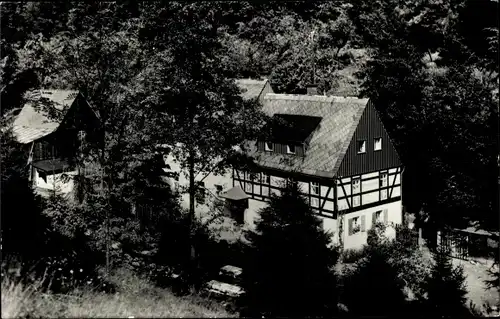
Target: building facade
[
  {"x": 53, "y": 126},
  {"x": 338, "y": 151}
]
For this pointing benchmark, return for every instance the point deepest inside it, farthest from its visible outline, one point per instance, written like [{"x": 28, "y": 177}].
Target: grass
[{"x": 135, "y": 297}]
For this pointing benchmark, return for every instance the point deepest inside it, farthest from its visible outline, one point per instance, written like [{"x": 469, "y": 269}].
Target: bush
[{"x": 353, "y": 255}]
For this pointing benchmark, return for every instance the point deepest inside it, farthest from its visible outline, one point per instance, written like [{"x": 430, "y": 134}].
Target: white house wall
[
  {"x": 56, "y": 181},
  {"x": 356, "y": 241}
]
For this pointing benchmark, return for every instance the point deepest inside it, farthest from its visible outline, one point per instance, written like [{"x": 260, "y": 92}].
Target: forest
[{"x": 160, "y": 73}]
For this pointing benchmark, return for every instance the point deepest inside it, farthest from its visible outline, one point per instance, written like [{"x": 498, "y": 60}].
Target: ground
[
  {"x": 477, "y": 274},
  {"x": 135, "y": 297}
]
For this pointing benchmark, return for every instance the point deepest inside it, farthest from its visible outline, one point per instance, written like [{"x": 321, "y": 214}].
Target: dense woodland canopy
[{"x": 431, "y": 68}]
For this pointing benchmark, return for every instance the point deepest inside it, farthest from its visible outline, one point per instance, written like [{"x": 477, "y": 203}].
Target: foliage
[
  {"x": 290, "y": 270},
  {"x": 374, "y": 287},
  {"x": 446, "y": 292},
  {"x": 135, "y": 296}
]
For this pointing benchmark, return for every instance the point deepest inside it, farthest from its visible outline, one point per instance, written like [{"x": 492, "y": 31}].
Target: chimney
[{"x": 312, "y": 89}]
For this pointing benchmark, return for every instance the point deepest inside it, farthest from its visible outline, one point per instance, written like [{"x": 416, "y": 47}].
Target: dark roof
[
  {"x": 51, "y": 165},
  {"x": 250, "y": 88},
  {"x": 34, "y": 121},
  {"x": 285, "y": 128},
  {"x": 235, "y": 193},
  {"x": 329, "y": 142}
]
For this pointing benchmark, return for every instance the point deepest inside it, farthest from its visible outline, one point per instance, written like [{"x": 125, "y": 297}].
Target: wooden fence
[{"x": 467, "y": 243}]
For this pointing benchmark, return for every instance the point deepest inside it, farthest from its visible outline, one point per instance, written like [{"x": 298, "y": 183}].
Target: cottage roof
[
  {"x": 42, "y": 113},
  {"x": 235, "y": 193},
  {"x": 328, "y": 143},
  {"x": 251, "y": 89}
]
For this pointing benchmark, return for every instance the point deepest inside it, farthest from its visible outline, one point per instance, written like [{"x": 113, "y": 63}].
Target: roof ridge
[{"x": 306, "y": 97}]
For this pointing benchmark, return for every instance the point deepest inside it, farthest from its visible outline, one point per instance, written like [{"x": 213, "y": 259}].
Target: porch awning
[
  {"x": 235, "y": 193},
  {"x": 50, "y": 165}
]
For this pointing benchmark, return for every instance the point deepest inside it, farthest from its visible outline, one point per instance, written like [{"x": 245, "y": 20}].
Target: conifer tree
[
  {"x": 446, "y": 292},
  {"x": 374, "y": 289},
  {"x": 290, "y": 273}
]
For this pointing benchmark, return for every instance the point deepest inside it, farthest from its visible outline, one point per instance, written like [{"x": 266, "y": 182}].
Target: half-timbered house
[
  {"x": 53, "y": 126},
  {"x": 338, "y": 151}
]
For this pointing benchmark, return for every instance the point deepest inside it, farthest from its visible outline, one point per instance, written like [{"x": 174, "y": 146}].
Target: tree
[
  {"x": 193, "y": 94},
  {"x": 291, "y": 262},
  {"x": 446, "y": 292},
  {"x": 374, "y": 288}
]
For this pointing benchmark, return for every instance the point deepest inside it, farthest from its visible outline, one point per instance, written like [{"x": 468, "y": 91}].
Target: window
[
  {"x": 380, "y": 217},
  {"x": 377, "y": 143},
  {"x": 314, "y": 202},
  {"x": 218, "y": 189},
  {"x": 315, "y": 188},
  {"x": 377, "y": 218},
  {"x": 290, "y": 149},
  {"x": 356, "y": 225},
  {"x": 355, "y": 201},
  {"x": 355, "y": 185},
  {"x": 269, "y": 147},
  {"x": 248, "y": 187},
  {"x": 383, "y": 180},
  {"x": 361, "y": 147},
  {"x": 383, "y": 184},
  {"x": 266, "y": 179}
]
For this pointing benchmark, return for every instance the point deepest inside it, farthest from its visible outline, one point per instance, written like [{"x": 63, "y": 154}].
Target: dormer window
[
  {"x": 361, "y": 147},
  {"x": 269, "y": 147},
  {"x": 290, "y": 149}
]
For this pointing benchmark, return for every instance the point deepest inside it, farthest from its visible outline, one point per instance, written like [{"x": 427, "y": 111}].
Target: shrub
[{"x": 353, "y": 255}]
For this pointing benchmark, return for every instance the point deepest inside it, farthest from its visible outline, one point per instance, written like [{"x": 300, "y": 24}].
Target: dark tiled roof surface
[
  {"x": 34, "y": 121},
  {"x": 251, "y": 89},
  {"x": 328, "y": 144}
]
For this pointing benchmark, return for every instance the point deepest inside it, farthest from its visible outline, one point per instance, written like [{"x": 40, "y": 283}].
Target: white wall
[
  {"x": 55, "y": 180},
  {"x": 210, "y": 182},
  {"x": 356, "y": 241}
]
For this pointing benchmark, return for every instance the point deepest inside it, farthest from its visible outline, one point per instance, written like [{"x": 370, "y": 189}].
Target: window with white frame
[
  {"x": 315, "y": 191},
  {"x": 356, "y": 201},
  {"x": 315, "y": 188},
  {"x": 268, "y": 146},
  {"x": 383, "y": 181},
  {"x": 248, "y": 186},
  {"x": 356, "y": 185},
  {"x": 354, "y": 226},
  {"x": 290, "y": 149},
  {"x": 266, "y": 179},
  {"x": 377, "y": 143},
  {"x": 361, "y": 147}
]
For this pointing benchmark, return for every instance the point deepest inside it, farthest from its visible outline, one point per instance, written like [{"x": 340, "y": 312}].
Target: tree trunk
[{"x": 192, "y": 191}]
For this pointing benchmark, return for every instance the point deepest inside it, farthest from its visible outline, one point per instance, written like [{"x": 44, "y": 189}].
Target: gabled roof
[
  {"x": 36, "y": 121},
  {"x": 328, "y": 144},
  {"x": 251, "y": 89},
  {"x": 235, "y": 193}
]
